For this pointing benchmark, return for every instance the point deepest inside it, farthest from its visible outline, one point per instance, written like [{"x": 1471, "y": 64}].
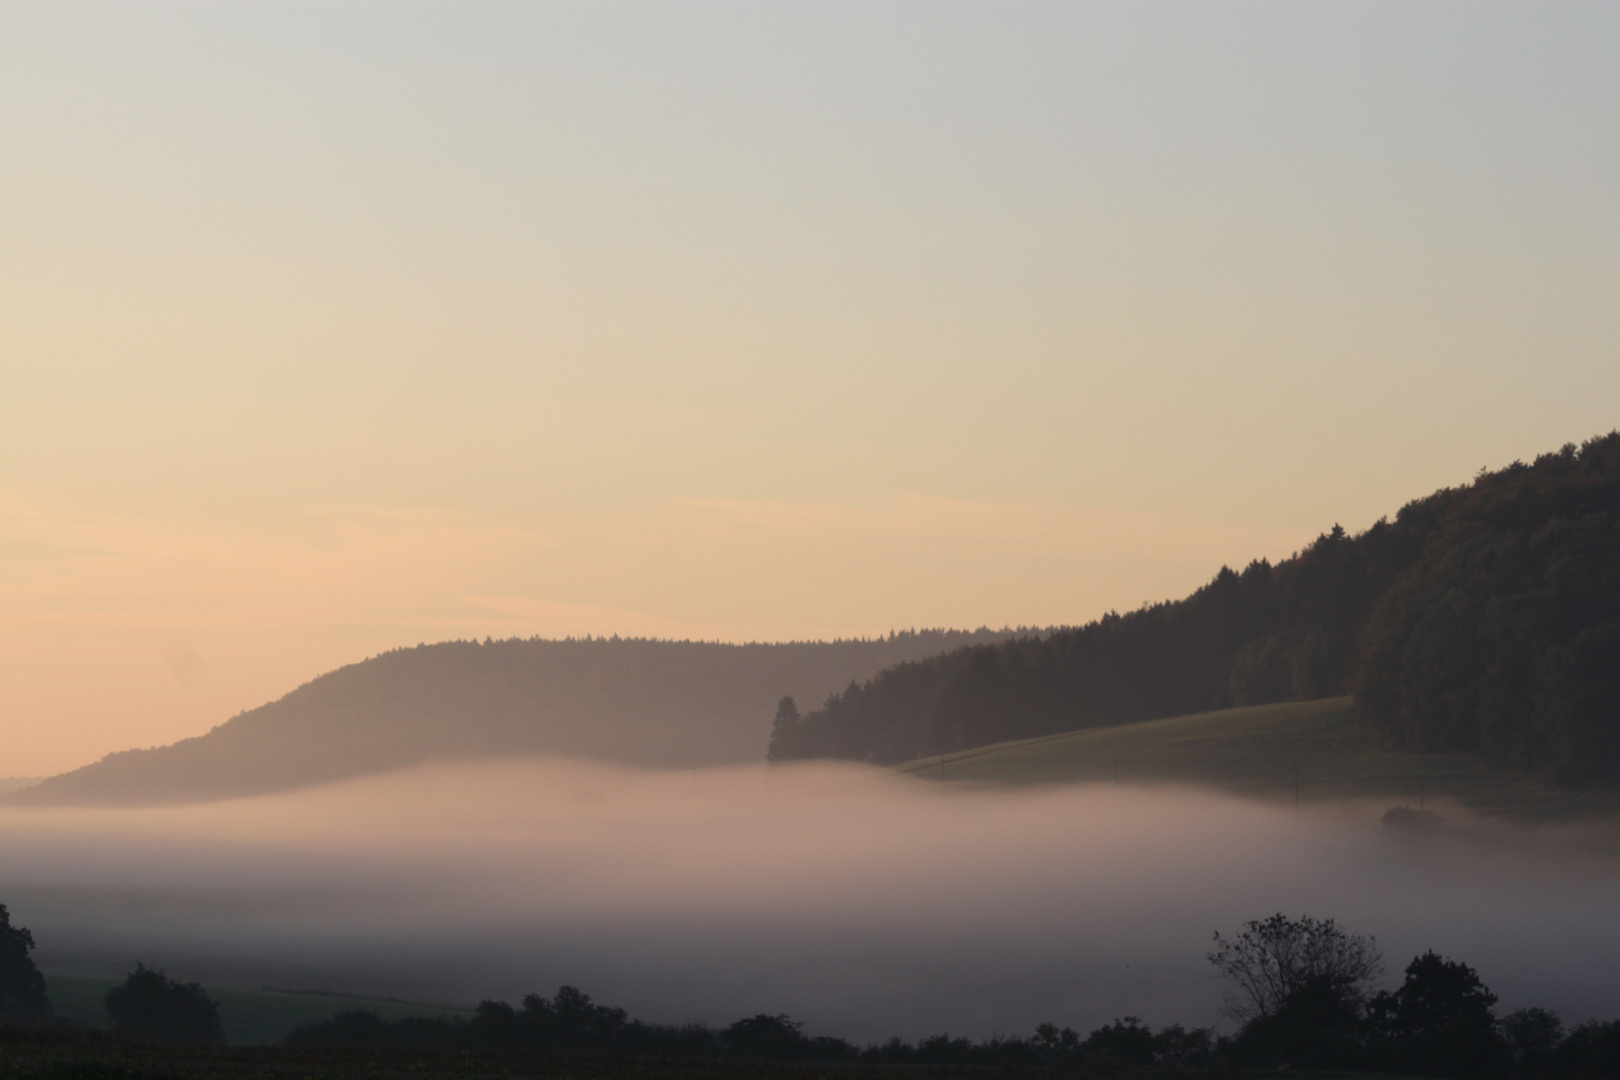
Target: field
[
  {"x": 1311, "y": 751},
  {"x": 250, "y": 1017},
  {"x": 74, "y": 1059}
]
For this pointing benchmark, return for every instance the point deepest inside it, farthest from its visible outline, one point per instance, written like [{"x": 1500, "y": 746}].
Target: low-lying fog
[{"x": 863, "y": 903}]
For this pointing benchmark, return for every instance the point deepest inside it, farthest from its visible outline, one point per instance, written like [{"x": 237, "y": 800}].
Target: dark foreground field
[{"x": 96, "y": 1056}]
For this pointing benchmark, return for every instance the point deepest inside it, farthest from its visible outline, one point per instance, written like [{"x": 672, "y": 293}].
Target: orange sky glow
[{"x": 330, "y": 328}]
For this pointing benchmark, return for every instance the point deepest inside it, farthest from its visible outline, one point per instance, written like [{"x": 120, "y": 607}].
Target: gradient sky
[{"x": 331, "y": 327}]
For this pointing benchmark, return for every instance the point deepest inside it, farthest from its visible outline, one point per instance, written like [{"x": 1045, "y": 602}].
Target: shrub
[{"x": 150, "y": 1006}]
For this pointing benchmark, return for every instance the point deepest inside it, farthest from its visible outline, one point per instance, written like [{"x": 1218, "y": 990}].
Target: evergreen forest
[{"x": 1483, "y": 618}]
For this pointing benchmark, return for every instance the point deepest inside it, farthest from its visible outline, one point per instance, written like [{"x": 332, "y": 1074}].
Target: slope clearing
[{"x": 1312, "y": 750}]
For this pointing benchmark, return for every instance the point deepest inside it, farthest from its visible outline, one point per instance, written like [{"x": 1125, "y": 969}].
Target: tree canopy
[
  {"x": 22, "y": 987},
  {"x": 1482, "y": 618},
  {"x": 150, "y": 1006},
  {"x": 1274, "y": 959},
  {"x": 1504, "y": 636}
]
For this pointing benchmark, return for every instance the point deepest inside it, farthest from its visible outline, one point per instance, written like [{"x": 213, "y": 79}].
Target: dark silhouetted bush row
[
  {"x": 1301, "y": 987},
  {"x": 1483, "y": 618},
  {"x": 1439, "y": 1023},
  {"x": 571, "y": 1023}
]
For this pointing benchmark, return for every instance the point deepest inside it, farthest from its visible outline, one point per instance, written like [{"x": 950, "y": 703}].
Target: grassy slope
[
  {"x": 250, "y": 1017},
  {"x": 1258, "y": 752}
]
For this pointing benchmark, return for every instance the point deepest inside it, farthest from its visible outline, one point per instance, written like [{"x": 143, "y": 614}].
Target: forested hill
[
  {"x": 1482, "y": 618},
  {"x": 660, "y": 703}
]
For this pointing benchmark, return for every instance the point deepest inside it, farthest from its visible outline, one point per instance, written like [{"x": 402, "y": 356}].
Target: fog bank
[{"x": 863, "y": 903}]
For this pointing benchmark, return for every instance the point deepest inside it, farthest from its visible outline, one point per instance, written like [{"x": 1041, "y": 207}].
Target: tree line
[
  {"x": 1483, "y": 618},
  {"x": 1303, "y": 992}
]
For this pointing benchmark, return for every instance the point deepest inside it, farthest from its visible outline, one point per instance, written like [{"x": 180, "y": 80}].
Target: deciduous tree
[
  {"x": 1273, "y": 959},
  {"x": 22, "y": 987},
  {"x": 150, "y": 1006}
]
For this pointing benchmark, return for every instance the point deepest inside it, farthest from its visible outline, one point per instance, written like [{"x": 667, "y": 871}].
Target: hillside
[
  {"x": 1482, "y": 619},
  {"x": 1314, "y": 749},
  {"x": 640, "y": 702}
]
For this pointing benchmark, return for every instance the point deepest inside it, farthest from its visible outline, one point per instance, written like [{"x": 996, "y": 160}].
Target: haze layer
[{"x": 864, "y": 903}]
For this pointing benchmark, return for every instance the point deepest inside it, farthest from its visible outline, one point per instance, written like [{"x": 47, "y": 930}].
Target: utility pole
[{"x": 1296, "y": 787}]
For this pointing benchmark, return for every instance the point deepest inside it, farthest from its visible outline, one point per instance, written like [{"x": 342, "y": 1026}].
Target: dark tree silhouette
[
  {"x": 1274, "y": 959},
  {"x": 787, "y": 733},
  {"x": 150, "y": 1006},
  {"x": 1592, "y": 1049},
  {"x": 574, "y": 1018},
  {"x": 1533, "y": 1036},
  {"x": 1124, "y": 1042},
  {"x": 22, "y": 987},
  {"x": 765, "y": 1035},
  {"x": 1317, "y": 1025},
  {"x": 1440, "y": 1021}
]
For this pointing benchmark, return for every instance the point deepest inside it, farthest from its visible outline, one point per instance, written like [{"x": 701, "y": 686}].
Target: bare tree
[{"x": 1274, "y": 958}]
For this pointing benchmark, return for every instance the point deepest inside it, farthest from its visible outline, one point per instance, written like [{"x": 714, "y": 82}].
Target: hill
[
  {"x": 1315, "y": 751},
  {"x": 636, "y": 701},
  {"x": 1483, "y": 619}
]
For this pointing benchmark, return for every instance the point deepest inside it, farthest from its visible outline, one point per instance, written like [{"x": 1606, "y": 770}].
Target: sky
[{"x": 329, "y": 327}]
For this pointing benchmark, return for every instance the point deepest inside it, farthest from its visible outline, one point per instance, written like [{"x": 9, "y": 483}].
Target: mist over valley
[
  {"x": 670, "y": 704},
  {"x": 469, "y": 821},
  {"x": 864, "y": 903},
  {"x": 496, "y": 500}
]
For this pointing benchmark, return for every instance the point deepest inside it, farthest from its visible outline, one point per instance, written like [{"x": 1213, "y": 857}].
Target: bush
[{"x": 150, "y": 1006}]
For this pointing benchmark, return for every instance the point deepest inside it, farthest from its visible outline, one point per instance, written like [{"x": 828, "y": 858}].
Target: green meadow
[
  {"x": 250, "y": 1017},
  {"x": 1312, "y": 751}
]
